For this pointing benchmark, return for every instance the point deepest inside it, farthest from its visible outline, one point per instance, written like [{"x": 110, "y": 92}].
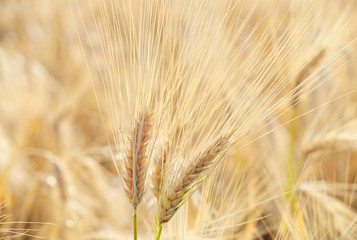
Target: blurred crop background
[{"x": 296, "y": 179}]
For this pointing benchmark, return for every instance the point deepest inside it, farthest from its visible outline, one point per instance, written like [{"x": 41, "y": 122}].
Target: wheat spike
[
  {"x": 135, "y": 165},
  {"x": 172, "y": 199}
]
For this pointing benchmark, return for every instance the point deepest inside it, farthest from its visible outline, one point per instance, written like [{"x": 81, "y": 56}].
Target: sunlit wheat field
[{"x": 178, "y": 119}]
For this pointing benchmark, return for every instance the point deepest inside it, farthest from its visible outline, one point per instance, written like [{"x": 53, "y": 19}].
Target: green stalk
[
  {"x": 135, "y": 229},
  {"x": 159, "y": 233}
]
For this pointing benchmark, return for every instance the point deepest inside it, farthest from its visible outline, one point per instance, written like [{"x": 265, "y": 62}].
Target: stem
[
  {"x": 290, "y": 198},
  {"x": 135, "y": 230},
  {"x": 159, "y": 233}
]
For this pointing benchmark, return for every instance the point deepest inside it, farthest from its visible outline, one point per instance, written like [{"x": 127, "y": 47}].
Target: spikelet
[
  {"x": 175, "y": 195},
  {"x": 135, "y": 171}
]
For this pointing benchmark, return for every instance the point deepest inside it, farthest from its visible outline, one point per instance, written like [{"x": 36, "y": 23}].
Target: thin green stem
[
  {"x": 135, "y": 229},
  {"x": 159, "y": 233}
]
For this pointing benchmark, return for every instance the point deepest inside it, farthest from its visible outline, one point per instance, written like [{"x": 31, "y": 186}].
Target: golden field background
[{"x": 295, "y": 178}]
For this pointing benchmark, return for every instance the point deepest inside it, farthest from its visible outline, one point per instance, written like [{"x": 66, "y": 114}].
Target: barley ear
[
  {"x": 158, "y": 171},
  {"x": 176, "y": 195},
  {"x": 136, "y": 161}
]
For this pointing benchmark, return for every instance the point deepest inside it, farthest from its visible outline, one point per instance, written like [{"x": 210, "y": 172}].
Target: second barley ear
[
  {"x": 158, "y": 170},
  {"x": 176, "y": 192}
]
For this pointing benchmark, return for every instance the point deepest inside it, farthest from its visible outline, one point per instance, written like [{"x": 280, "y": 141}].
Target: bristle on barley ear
[
  {"x": 136, "y": 162},
  {"x": 172, "y": 198}
]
